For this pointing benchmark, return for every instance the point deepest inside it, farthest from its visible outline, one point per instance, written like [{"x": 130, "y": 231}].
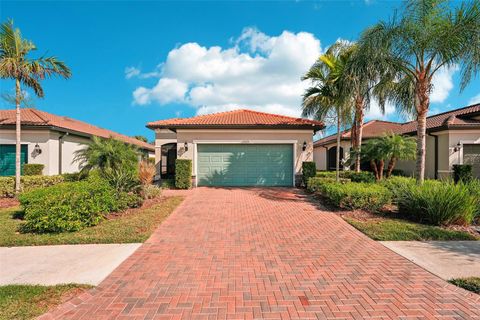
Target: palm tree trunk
[
  {"x": 17, "y": 136},
  {"x": 422, "y": 104},
  {"x": 337, "y": 164},
  {"x": 391, "y": 165},
  {"x": 381, "y": 165},
  {"x": 359, "y": 131},
  {"x": 373, "y": 165}
]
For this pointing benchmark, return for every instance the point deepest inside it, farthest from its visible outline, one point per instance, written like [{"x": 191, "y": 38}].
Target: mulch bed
[
  {"x": 146, "y": 204},
  {"x": 8, "y": 203}
]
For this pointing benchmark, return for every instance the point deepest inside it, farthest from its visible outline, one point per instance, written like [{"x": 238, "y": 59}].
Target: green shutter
[
  {"x": 7, "y": 158},
  {"x": 245, "y": 164}
]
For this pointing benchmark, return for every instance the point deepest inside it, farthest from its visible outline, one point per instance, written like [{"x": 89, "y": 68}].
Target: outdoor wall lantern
[
  {"x": 457, "y": 147},
  {"x": 304, "y": 147},
  {"x": 37, "y": 150},
  {"x": 185, "y": 145}
]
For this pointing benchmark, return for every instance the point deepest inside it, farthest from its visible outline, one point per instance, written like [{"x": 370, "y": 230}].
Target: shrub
[
  {"x": 121, "y": 179},
  {"x": 474, "y": 189},
  {"x": 28, "y": 183},
  {"x": 362, "y": 176},
  {"x": 146, "y": 172},
  {"x": 438, "y": 203},
  {"x": 309, "y": 169},
  {"x": 394, "y": 184},
  {"x": 69, "y": 206},
  {"x": 150, "y": 191},
  {"x": 167, "y": 183},
  {"x": 462, "y": 172},
  {"x": 76, "y": 176},
  {"x": 33, "y": 169},
  {"x": 183, "y": 173},
  {"x": 127, "y": 200},
  {"x": 315, "y": 183},
  {"x": 326, "y": 174},
  {"x": 399, "y": 172},
  {"x": 353, "y": 195}
]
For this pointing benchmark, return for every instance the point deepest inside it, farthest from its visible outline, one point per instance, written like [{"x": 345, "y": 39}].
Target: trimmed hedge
[
  {"x": 462, "y": 172},
  {"x": 309, "y": 169},
  {"x": 28, "y": 183},
  {"x": 315, "y": 183},
  {"x": 183, "y": 173},
  {"x": 362, "y": 176},
  {"x": 438, "y": 203},
  {"x": 72, "y": 206},
  {"x": 33, "y": 169}
]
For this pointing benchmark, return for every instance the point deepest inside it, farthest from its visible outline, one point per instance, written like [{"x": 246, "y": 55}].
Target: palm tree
[
  {"x": 398, "y": 148},
  {"x": 430, "y": 35},
  {"x": 324, "y": 100},
  {"x": 15, "y": 64}
]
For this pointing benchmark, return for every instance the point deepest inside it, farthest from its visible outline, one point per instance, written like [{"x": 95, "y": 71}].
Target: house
[
  {"x": 453, "y": 137},
  {"x": 236, "y": 148},
  {"x": 50, "y": 140}
]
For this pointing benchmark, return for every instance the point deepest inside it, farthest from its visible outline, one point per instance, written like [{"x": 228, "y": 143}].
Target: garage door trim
[{"x": 292, "y": 142}]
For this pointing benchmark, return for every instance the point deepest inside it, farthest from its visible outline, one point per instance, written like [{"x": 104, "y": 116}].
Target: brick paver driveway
[{"x": 265, "y": 254}]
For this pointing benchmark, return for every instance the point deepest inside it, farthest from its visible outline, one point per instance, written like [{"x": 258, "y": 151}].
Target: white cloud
[
  {"x": 474, "y": 100},
  {"x": 442, "y": 83},
  {"x": 131, "y": 72},
  {"x": 375, "y": 113},
  {"x": 257, "y": 71}
]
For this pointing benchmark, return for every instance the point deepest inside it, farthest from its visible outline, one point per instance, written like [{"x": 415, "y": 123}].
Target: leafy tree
[
  {"x": 141, "y": 138},
  {"x": 324, "y": 99},
  {"x": 15, "y": 64},
  {"x": 428, "y": 36}
]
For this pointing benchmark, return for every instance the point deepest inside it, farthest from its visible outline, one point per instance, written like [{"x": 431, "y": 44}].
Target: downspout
[
  {"x": 435, "y": 137},
  {"x": 60, "y": 151}
]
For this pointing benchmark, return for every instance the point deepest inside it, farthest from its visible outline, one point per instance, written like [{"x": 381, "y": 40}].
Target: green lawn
[
  {"x": 400, "y": 230},
  {"x": 28, "y": 302},
  {"x": 470, "y": 284},
  {"x": 133, "y": 227}
]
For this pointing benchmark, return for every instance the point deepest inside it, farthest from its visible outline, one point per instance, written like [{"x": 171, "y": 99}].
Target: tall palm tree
[
  {"x": 429, "y": 36},
  {"x": 15, "y": 64},
  {"x": 324, "y": 100}
]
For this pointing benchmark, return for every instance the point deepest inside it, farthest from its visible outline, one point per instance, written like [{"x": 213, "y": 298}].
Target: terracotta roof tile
[
  {"x": 237, "y": 118},
  {"x": 36, "y": 117}
]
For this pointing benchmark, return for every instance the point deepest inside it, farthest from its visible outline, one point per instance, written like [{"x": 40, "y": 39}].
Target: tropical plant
[
  {"x": 324, "y": 99},
  {"x": 141, "y": 138},
  {"x": 146, "y": 172},
  {"x": 430, "y": 35},
  {"x": 15, "y": 64},
  {"x": 391, "y": 148}
]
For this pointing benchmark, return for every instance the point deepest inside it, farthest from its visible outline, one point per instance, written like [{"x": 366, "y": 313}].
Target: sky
[{"x": 135, "y": 62}]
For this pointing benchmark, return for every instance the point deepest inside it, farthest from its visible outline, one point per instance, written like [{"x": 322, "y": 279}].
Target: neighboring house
[
  {"x": 453, "y": 137},
  {"x": 236, "y": 148},
  {"x": 50, "y": 140}
]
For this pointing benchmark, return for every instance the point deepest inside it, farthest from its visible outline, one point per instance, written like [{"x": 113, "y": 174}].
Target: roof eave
[{"x": 313, "y": 127}]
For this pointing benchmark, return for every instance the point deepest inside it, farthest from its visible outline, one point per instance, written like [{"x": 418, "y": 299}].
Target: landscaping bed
[
  {"x": 30, "y": 301},
  {"x": 132, "y": 225},
  {"x": 470, "y": 284}
]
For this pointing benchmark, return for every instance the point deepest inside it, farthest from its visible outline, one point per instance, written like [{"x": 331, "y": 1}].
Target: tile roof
[
  {"x": 35, "y": 117},
  {"x": 237, "y": 119},
  {"x": 371, "y": 129},
  {"x": 459, "y": 118}
]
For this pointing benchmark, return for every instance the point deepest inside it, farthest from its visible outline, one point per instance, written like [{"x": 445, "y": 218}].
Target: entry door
[
  {"x": 7, "y": 158},
  {"x": 245, "y": 164}
]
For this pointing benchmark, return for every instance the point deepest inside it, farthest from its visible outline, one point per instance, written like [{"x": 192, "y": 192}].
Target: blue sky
[{"x": 135, "y": 62}]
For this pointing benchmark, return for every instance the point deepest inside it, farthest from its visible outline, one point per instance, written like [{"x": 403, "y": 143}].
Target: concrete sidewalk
[
  {"x": 446, "y": 259},
  {"x": 50, "y": 265}
]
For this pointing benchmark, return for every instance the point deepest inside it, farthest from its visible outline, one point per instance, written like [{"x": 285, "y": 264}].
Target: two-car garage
[{"x": 245, "y": 165}]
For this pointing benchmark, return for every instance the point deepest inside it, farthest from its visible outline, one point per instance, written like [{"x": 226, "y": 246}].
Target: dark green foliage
[
  {"x": 362, "y": 176},
  {"x": 462, "y": 172},
  {"x": 438, "y": 203},
  {"x": 33, "y": 169},
  {"x": 183, "y": 173},
  {"x": 72, "y": 206},
  {"x": 309, "y": 170},
  {"x": 29, "y": 183},
  {"x": 394, "y": 184},
  {"x": 470, "y": 284},
  {"x": 315, "y": 183},
  {"x": 76, "y": 176}
]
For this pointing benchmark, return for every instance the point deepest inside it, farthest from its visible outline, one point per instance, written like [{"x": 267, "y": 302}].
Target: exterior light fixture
[
  {"x": 37, "y": 150},
  {"x": 185, "y": 145},
  {"x": 457, "y": 147},
  {"x": 304, "y": 147}
]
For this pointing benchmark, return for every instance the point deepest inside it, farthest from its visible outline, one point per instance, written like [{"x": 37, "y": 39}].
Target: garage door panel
[{"x": 245, "y": 165}]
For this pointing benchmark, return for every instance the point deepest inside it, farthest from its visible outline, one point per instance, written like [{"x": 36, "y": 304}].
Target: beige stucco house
[
  {"x": 453, "y": 137},
  {"x": 50, "y": 140},
  {"x": 236, "y": 148}
]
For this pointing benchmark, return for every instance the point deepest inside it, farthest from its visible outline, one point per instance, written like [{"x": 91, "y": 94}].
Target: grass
[
  {"x": 470, "y": 284},
  {"x": 129, "y": 228},
  {"x": 30, "y": 301},
  {"x": 400, "y": 230}
]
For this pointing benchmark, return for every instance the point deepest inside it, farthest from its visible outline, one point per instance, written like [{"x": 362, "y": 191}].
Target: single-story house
[
  {"x": 236, "y": 148},
  {"x": 453, "y": 137},
  {"x": 50, "y": 140}
]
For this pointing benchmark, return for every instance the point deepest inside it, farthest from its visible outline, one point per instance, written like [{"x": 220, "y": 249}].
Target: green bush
[
  {"x": 33, "y": 169},
  {"x": 474, "y": 189},
  {"x": 76, "y": 176},
  {"x": 353, "y": 195},
  {"x": 326, "y": 174},
  {"x": 362, "y": 176},
  {"x": 309, "y": 169},
  {"x": 72, "y": 206},
  {"x": 394, "y": 184},
  {"x": 150, "y": 191},
  {"x": 462, "y": 172},
  {"x": 315, "y": 183},
  {"x": 28, "y": 183},
  {"x": 438, "y": 203},
  {"x": 183, "y": 173}
]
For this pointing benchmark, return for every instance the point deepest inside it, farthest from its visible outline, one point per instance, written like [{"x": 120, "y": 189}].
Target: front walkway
[{"x": 265, "y": 254}]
